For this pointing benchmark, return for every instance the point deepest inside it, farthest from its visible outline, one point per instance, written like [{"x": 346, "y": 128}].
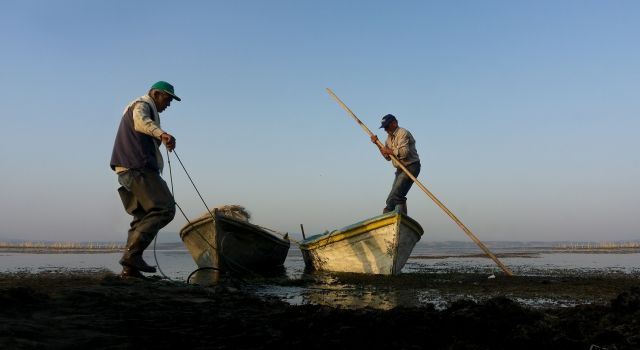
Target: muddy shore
[{"x": 98, "y": 310}]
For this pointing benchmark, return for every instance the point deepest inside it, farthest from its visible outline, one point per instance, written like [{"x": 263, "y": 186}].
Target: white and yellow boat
[{"x": 379, "y": 245}]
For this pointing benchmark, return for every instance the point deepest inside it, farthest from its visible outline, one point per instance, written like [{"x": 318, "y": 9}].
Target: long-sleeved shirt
[{"x": 403, "y": 146}]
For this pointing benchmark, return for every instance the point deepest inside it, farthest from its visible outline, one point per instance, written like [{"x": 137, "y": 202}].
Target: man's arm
[
  {"x": 143, "y": 123},
  {"x": 384, "y": 150}
]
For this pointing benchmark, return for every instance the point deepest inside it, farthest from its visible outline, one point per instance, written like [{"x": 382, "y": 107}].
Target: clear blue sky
[{"x": 526, "y": 113}]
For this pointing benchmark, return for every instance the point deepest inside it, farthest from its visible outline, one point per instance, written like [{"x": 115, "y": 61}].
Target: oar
[{"x": 425, "y": 190}]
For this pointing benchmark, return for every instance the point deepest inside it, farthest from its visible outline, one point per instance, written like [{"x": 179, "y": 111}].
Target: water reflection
[
  {"x": 327, "y": 290},
  {"x": 341, "y": 290},
  {"x": 350, "y": 298}
]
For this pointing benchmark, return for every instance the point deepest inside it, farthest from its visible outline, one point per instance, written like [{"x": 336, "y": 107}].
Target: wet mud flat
[
  {"x": 98, "y": 310},
  {"x": 440, "y": 290}
]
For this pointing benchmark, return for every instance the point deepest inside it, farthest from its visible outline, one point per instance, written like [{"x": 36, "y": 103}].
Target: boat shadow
[{"x": 209, "y": 276}]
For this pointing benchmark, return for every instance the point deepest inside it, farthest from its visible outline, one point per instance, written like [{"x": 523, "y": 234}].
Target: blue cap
[{"x": 386, "y": 120}]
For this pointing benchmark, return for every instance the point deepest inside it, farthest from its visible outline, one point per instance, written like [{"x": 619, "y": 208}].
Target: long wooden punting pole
[{"x": 425, "y": 190}]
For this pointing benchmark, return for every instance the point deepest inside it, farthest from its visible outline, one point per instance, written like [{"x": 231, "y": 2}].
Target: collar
[{"x": 149, "y": 100}]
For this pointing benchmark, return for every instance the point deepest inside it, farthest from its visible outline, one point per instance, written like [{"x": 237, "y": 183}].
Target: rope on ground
[{"x": 200, "y": 269}]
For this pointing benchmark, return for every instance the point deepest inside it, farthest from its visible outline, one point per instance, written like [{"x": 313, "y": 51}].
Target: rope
[
  {"x": 232, "y": 264},
  {"x": 183, "y": 214},
  {"x": 200, "y": 269},
  {"x": 155, "y": 239},
  {"x": 220, "y": 251},
  {"x": 194, "y": 185}
]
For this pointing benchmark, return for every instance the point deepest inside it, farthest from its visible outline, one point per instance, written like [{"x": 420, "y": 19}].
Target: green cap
[{"x": 165, "y": 87}]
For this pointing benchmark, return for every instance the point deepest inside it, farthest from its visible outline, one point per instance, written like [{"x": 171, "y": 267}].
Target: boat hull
[
  {"x": 231, "y": 245},
  {"x": 380, "y": 245}
]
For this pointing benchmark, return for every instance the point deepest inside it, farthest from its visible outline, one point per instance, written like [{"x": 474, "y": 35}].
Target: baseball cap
[
  {"x": 166, "y": 87},
  {"x": 386, "y": 120}
]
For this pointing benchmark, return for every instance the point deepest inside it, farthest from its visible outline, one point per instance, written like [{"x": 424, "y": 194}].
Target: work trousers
[
  {"x": 146, "y": 196},
  {"x": 401, "y": 185}
]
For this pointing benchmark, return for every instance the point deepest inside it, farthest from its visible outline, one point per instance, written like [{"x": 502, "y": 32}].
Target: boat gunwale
[
  {"x": 252, "y": 228},
  {"x": 394, "y": 217}
]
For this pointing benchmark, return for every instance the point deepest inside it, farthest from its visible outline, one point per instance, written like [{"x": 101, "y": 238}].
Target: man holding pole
[
  {"x": 396, "y": 135},
  {"x": 401, "y": 144}
]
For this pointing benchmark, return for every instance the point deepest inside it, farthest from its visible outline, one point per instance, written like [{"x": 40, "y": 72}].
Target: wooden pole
[{"x": 425, "y": 190}]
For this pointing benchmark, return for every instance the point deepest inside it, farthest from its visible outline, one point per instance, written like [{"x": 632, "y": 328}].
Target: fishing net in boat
[{"x": 234, "y": 211}]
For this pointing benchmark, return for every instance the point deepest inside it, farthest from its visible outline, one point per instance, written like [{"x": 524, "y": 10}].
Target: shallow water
[
  {"x": 536, "y": 264},
  {"x": 378, "y": 292},
  {"x": 177, "y": 263},
  {"x": 425, "y": 261}
]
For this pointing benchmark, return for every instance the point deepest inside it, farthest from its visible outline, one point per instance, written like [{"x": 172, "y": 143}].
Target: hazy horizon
[{"x": 174, "y": 237}]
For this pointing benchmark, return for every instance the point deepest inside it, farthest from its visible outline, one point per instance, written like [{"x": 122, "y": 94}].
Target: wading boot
[
  {"x": 130, "y": 272},
  {"x": 132, "y": 257}
]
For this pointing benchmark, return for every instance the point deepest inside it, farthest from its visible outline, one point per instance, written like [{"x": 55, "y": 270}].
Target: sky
[{"x": 525, "y": 113}]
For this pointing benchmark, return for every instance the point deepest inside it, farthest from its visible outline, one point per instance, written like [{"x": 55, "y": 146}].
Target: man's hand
[
  {"x": 386, "y": 151},
  {"x": 168, "y": 141}
]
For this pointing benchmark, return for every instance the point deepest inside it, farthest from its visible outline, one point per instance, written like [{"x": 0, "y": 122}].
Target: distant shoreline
[
  {"x": 78, "y": 247},
  {"x": 60, "y": 247},
  {"x": 535, "y": 252},
  {"x": 51, "y": 250},
  {"x": 528, "y": 253}
]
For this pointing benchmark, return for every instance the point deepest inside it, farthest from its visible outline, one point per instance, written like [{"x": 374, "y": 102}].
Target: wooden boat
[
  {"x": 225, "y": 241},
  {"x": 379, "y": 245}
]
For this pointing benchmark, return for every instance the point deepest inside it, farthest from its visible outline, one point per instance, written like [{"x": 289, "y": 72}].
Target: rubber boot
[
  {"x": 404, "y": 208},
  {"x": 132, "y": 257}
]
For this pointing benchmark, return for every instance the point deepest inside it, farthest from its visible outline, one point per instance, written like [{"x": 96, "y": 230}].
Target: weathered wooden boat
[
  {"x": 379, "y": 245},
  {"x": 226, "y": 241}
]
